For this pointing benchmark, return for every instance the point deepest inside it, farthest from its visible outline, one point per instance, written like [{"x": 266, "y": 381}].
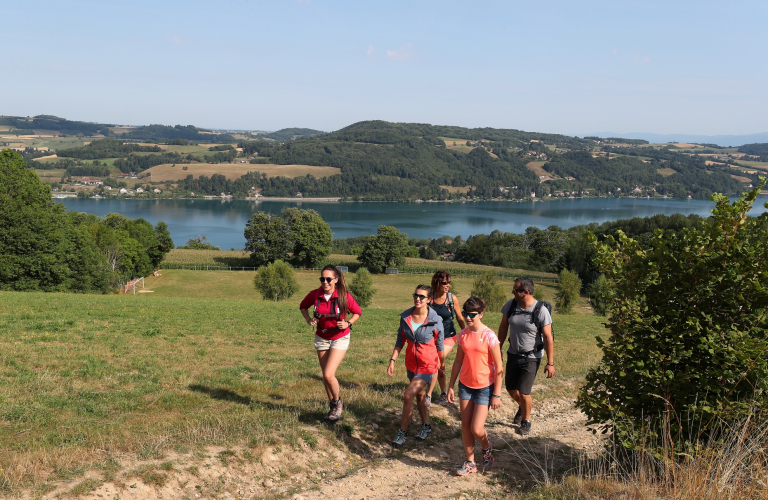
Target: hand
[
  {"x": 341, "y": 322},
  {"x": 391, "y": 369},
  {"x": 495, "y": 403},
  {"x": 449, "y": 396},
  {"x": 550, "y": 370},
  {"x": 312, "y": 322}
]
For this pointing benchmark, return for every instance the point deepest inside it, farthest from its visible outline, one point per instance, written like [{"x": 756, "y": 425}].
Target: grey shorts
[
  {"x": 322, "y": 344},
  {"x": 426, "y": 377}
]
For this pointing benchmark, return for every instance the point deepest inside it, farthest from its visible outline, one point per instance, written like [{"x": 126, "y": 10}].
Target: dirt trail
[{"x": 368, "y": 468}]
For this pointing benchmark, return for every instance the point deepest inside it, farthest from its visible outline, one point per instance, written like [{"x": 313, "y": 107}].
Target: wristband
[
  {"x": 550, "y": 364},
  {"x": 393, "y": 360},
  {"x": 495, "y": 396}
]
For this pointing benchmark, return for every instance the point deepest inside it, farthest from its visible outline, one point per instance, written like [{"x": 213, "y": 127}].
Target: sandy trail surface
[{"x": 364, "y": 466}]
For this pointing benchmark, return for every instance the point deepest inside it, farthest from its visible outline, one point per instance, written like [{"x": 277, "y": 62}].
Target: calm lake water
[{"x": 223, "y": 222}]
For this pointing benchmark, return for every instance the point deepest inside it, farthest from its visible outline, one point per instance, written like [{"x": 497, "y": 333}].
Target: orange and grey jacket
[{"x": 423, "y": 344}]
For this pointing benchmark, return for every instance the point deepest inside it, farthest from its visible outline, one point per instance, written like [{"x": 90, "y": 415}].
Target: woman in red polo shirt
[{"x": 332, "y": 305}]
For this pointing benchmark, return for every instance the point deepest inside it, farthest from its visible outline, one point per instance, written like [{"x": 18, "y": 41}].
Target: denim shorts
[
  {"x": 480, "y": 396},
  {"x": 426, "y": 377}
]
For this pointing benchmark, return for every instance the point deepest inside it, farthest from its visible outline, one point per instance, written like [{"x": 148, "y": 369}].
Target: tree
[
  {"x": 568, "y": 291},
  {"x": 311, "y": 236},
  {"x": 599, "y": 295},
  {"x": 487, "y": 287},
  {"x": 163, "y": 237},
  {"x": 688, "y": 329},
  {"x": 362, "y": 287},
  {"x": 386, "y": 249},
  {"x": 40, "y": 247},
  {"x": 276, "y": 281},
  {"x": 268, "y": 238}
]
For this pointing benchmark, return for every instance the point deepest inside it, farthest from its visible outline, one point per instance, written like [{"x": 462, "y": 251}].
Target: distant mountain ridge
[{"x": 721, "y": 140}]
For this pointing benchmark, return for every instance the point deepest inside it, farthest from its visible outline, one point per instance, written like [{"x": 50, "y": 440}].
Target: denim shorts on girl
[
  {"x": 426, "y": 377},
  {"x": 480, "y": 396}
]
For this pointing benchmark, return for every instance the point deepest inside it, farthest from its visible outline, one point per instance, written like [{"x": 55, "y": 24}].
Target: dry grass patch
[
  {"x": 741, "y": 178},
  {"x": 666, "y": 172},
  {"x": 168, "y": 172},
  {"x": 457, "y": 189},
  {"x": 536, "y": 167}
]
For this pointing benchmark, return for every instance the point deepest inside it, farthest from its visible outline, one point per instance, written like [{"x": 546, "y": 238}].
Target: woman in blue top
[{"x": 443, "y": 304}]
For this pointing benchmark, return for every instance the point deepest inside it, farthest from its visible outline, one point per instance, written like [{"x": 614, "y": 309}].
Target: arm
[
  {"x": 310, "y": 320},
  {"x": 391, "y": 367},
  {"x": 304, "y": 306},
  {"x": 457, "y": 310},
  {"x": 346, "y": 323},
  {"x": 496, "y": 397},
  {"x": 503, "y": 327},
  {"x": 549, "y": 347},
  {"x": 455, "y": 370}
]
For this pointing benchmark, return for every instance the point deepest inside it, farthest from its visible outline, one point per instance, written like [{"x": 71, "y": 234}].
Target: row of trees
[{"x": 45, "y": 248}]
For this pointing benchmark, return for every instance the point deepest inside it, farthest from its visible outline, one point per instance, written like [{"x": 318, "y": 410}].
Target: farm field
[
  {"x": 92, "y": 382},
  {"x": 666, "y": 172},
  {"x": 168, "y": 172},
  {"x": 460, "y": 144},
  {"x": 536, "y": 167}
]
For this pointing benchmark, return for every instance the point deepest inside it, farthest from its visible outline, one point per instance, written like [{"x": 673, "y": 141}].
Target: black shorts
[{"x": 520, "y": 373}]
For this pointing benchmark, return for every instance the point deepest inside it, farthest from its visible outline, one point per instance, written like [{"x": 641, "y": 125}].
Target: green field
[{"x": 200, "y": 361}]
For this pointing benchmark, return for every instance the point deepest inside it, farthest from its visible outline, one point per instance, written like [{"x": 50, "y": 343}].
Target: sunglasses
[
  {"x": 326, "y": 280},
  {"x": 419, "y": 296},
  {"x": 445, "y": 283},
  {"x": 519, "y": 290},
  {"x": 470, "y": 315}
]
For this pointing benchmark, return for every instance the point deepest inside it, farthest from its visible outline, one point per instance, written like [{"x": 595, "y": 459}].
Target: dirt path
[{"x": 366, "y": 468}]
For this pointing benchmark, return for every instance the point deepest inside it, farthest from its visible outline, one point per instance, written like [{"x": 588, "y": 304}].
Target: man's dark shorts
[{"x": 520, "y": 373}]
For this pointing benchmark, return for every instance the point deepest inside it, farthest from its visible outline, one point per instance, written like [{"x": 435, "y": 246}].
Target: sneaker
[
  {"x": 428, "y": 400},
  {"x": 488, "y": 457},
  {"x": 336, "y": 408},
  {"x": 424, "y": 433},
  {"x": 467, "y": 468},
  {"x": 518, "y": 417},
  {"x": 400, "y": 438},
  {"x": 442, "y": 400},
  {"x": 525, "y": 428}
]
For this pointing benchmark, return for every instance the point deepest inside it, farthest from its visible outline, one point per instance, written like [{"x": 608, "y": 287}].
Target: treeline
[
  {"x": 106, "y": 148},
  {"x": 621, "y": 174},
  {"x": 45, "y": 248},
  {"x": 289, "y": 134},
  {"x": 50, "y": 122},
  {"x": 134, "y": 163},
  {"x": 163, "y": 133},
  {"x": 758, "y": 149}
]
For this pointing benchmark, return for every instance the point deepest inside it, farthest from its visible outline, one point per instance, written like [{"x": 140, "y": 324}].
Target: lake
[{"x": 223, "y": 222}]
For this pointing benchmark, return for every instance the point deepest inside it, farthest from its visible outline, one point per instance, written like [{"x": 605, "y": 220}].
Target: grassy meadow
[{"x": 201, "y": 360}]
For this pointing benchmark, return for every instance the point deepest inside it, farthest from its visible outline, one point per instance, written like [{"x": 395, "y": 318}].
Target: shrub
[
  {"x": 599, "y": 295},
  {"x": 487, "y": 287},
  {"x": 362, "y": 287},
  {"x": 688, "y": 329},
  {"x": 568, "y": 288},
  {"x": 538, "y": 293},
  {"x": 387, "y": 248},
  {"x": 276, "y": 281}
]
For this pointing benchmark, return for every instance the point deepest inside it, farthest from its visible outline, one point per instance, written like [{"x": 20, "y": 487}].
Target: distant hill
[
  {"x": 61, "y": 125},
  {"x": 162, "y": 133},
  {"x": 289, "y": 134},
  {"x": 722, "y": 140}
]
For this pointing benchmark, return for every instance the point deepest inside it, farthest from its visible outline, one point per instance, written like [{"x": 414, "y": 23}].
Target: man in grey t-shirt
[{"x": 526, "y": 348}]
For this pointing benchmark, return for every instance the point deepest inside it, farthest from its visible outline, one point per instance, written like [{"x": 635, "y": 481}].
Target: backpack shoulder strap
[
  {"x": 535, "y": 315},
  {"x": 512, "y": 309},
  {"x": 449, "y": 303}
]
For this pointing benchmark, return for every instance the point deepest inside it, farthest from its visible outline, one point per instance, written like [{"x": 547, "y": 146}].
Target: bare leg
[
  {"x": 525, "y": 401},
  {"x": 467, "y": 437},
  {"x": 440, "y": 374},
  {"x": 478, "y": 425},
  {"x": 413, "y": 390},
  {"x": 329, "y": 363},
  {"x": 421, "y": 403}
]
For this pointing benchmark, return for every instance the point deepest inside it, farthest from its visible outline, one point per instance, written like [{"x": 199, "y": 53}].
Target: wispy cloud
[
  {"x": 406, "y": 52},
  {"x": 615, "y": 52},
  {"x": 369, "y": 51},
  {"x": 175, "y": 39},
  {"x": 639, "y": 59}
]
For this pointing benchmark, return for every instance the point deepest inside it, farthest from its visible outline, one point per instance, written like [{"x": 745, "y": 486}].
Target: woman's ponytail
[{"x": 341, "y": 289}]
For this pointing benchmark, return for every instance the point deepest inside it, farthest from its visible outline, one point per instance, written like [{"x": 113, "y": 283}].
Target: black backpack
[{"x": 535, "y": 321}]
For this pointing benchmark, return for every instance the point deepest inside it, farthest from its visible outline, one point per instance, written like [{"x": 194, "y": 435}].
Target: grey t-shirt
[{"x": 522, "y": 331}]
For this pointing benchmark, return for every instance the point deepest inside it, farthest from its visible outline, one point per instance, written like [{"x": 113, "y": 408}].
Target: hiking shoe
[
  {"x": 488, "y": 457},
  {"x": 424, "y": 433},
  {"x": 518, "y": 417},
  {"x": 336, "y": 408},
  {"x": 400, "y": 438},
  {"x": 467, "y": 468},
  {"x": 442, "y": 400},
  {"x": 428, "y": 399},
  {"x": 525, "y": 428}
]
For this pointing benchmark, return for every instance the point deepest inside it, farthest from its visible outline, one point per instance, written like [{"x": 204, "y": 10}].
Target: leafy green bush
[
  {"x": 568, "y": 288},
  {"x": 362, "y": 287},
  {"x": 689, "y": 334},
  {"x": 387, "y": 249},
  {"x": 276, "y": 281},
  {"x": 599, "y": 295},
  {"x": 490, "y": 290}
]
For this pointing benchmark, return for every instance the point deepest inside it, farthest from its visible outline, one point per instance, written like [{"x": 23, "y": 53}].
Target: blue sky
[{"x": 549, "y": 66}]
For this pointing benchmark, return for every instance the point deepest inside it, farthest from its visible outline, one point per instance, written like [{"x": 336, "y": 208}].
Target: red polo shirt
[{"x": 316, "y": 299}]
